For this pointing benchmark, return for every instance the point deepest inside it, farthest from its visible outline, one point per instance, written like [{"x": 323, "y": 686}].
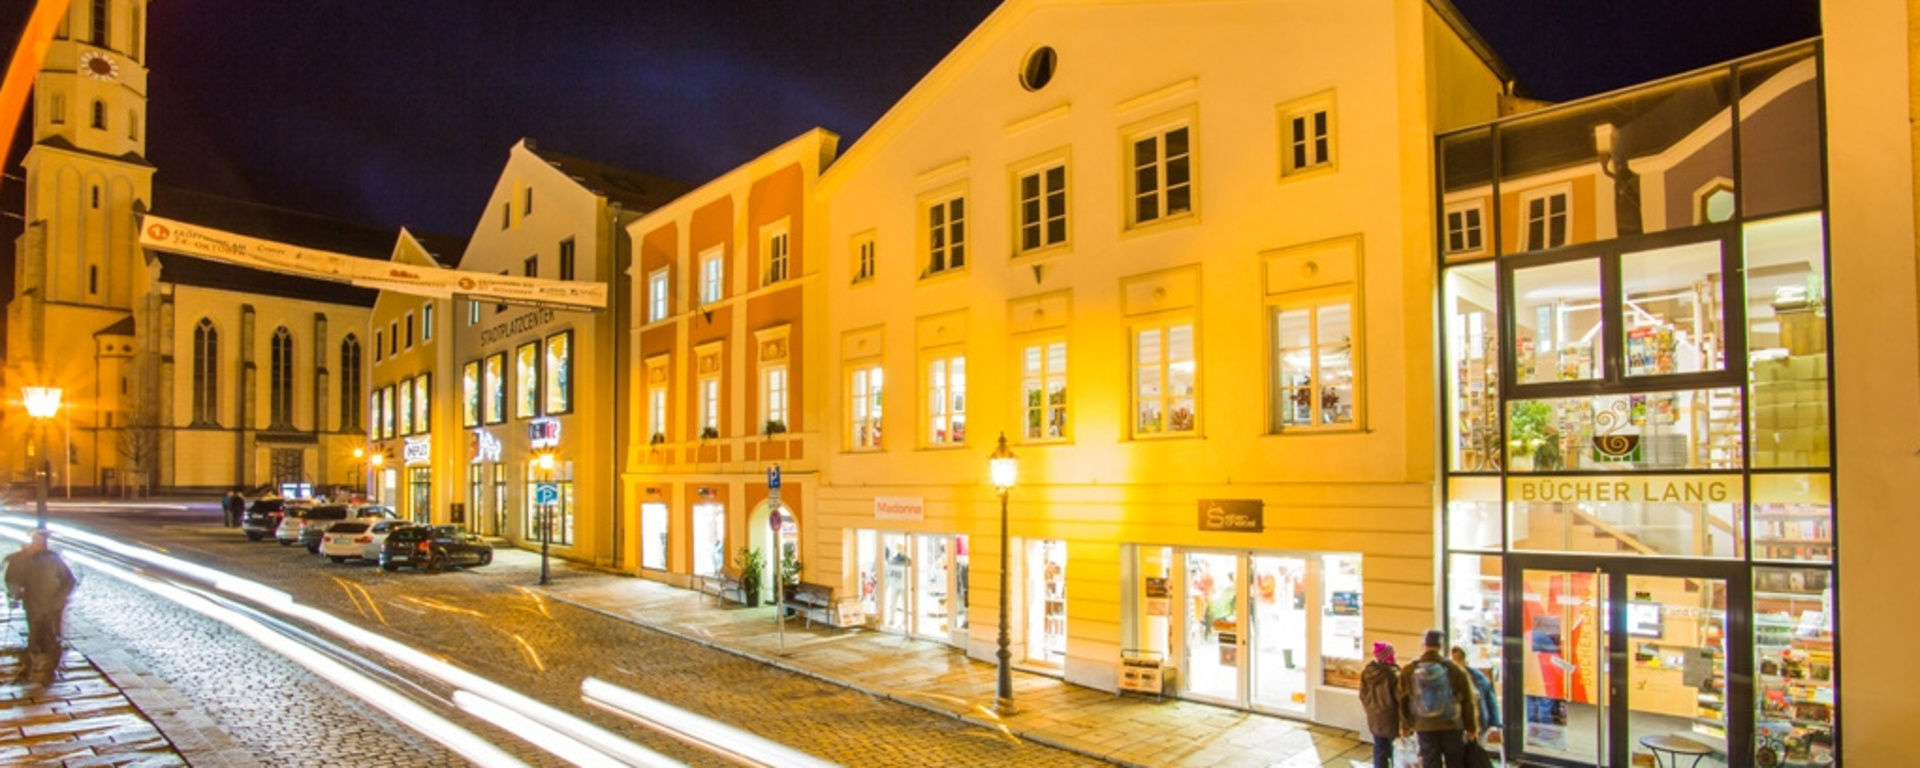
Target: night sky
[{"x": 401, "y": 113}]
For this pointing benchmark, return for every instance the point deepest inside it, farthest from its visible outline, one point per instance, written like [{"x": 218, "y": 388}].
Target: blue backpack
[{"x": 1432, "y": 696}]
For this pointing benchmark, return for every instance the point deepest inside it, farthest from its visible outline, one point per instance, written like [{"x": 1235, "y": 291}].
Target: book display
[{"x": 1794, "y": 682}]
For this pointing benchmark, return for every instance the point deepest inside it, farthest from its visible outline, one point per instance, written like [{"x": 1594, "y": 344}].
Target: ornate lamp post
[
  {"x": 42, "y": 403},
  {"x": 376, "y": 459},
  {"x": 1004, "y": 469},
  {"x": 545, "y": 462},
  {"x": 360, "y": 465}
]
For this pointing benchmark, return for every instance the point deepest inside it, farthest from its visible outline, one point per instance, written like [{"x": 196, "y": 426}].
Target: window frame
[
  {"x": 567, "y": 254},
  {"x": 1327, "y": 158},
  {"x": 404, "y": 406},
  {"x": 206, "y": 374},
  {"x": 1476, "y": 206},
  {"x": 713, "y": 275},
  {"x": 423, "y": 403},
  {"x": 1023, "y": 410},
  {"x": 1312, "y": 300},
  {"x": 548, "y": 387},
  {"x": 865, "y": 257},
  {"x": 860, "y": 413},
  {"x": 351, "y": 371},
  {"x": 659, "y": 294},
  {"x": 281, "y": 388},
  {"x": 945, "y": 357},
  {"x": 1164, "y": 325},
  {"x": 944, "y": 201},
  {"x": 1544, "y": 194},
  {"x": 473, "y": 392},
  {"x": 526, "y": 380},
  {"x": 493, "y": 388},
  {"x": 708, "y": 388},
  {"x": 1158, "y": 129},
  {"x": 776, "y": 250},
  {"x": 1038, "y": 168},
  {"x": 771, "y": 395},
  {"x": 426, "y": 321}
]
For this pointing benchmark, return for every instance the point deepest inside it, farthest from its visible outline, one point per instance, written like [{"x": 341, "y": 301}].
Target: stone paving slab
[{"x": 83, "y": 719}]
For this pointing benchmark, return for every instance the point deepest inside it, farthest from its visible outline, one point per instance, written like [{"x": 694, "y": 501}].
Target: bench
[
  {"x": 721, "y": 586},
  {"x": 815, "y": 603}
]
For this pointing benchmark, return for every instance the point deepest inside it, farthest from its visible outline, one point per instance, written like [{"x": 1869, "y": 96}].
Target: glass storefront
[
  {"x": 653, "y": 535},
  {"x": 1046, "y": 602},
  {"x": 709, "y": 539},
  {"x": 914, "y": 584},
  {"x": 420, "y": 493},
  {"x": 560, "y": 515},
  {"x": 1639, "y": 508}
]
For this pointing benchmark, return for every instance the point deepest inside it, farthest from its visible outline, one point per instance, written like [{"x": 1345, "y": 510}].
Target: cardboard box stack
[{"x": 1790, "y": 411}]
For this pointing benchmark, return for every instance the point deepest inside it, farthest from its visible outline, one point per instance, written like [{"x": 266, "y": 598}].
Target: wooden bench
[
  {"x": 722, "y": 587},
  {"x": 813, "y": 602}
]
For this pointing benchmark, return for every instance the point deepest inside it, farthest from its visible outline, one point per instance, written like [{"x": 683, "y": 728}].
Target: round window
[{"x": 1038, "y": 69}]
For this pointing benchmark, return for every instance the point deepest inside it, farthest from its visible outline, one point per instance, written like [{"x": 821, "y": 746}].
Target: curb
[{"x": 782, "y": 664}]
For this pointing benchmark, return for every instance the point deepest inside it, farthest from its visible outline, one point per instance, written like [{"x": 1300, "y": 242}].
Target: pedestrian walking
[
  {"x": 1437, "y": 704},
  {"x": 1483, "y": 689},
  {"x": 1380, "y": 696},
  {"x": 232, "y": 508},
  {"x": 41, "y": 581}
]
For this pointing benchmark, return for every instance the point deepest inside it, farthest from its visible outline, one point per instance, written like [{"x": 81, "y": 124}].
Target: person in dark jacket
[
  {"x": 1380, "y": 696},
  {"x": 1437, "y": 704},
  {"x": 1483, "y": 688},
  {"x": 40, "y": 580},
  {"x": 232, "y": 508}
]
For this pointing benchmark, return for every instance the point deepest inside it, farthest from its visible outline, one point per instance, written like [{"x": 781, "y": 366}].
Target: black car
[
  {"x": 262, "y": 516},
  {"x": 433, "y": 547}
]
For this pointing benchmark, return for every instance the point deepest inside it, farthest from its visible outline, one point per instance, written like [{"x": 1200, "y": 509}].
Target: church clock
[{"x": 99, "y": 66}]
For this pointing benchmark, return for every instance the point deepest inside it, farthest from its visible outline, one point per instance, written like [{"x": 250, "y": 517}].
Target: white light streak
[{"x": 698, "y": 730}]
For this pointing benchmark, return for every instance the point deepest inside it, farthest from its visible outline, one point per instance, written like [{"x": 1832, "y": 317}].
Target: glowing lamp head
[
  {"x": 1003, "y": 466},
  {"x": 544, "y": 461},
  {"x": 359, "y": 453},
  {"x": 41, "y": 402},
  {"x": 378, "y": 459}
]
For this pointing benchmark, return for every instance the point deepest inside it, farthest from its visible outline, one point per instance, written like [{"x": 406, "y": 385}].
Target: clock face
[{"x": 99, "y": 66}]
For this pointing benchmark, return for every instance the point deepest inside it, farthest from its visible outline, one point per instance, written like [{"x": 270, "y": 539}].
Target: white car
[{"x": 357, "y": 538}]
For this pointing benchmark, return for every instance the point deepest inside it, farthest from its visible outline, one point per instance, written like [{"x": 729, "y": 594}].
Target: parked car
[
  {"x": 380, "y": 530},
  {"x": 433, "y": 548},
  {"x": 359, "y": 538},
  {"x": 293, "y": 530},
  {"x": 262, "y": 517},
  {"x": 317, "y": 525}
]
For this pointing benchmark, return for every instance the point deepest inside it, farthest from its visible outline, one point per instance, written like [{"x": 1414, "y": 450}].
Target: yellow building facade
[
  {"x": 407, "y": 417},
  {"x": 1188, "y": 283}
]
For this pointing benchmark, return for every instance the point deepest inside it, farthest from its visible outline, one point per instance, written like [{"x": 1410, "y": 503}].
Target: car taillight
[
  {"x": 364, "y": 540},
  {"x": 423, "y": 546}
]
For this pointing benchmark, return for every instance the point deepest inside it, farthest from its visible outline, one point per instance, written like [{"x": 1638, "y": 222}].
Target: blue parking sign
[
  {"x": 773, "y": 476},
  {"x": 546, "y": 493}
]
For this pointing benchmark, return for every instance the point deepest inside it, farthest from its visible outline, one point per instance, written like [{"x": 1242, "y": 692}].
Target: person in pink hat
[{"x": 1380, "y": 696}]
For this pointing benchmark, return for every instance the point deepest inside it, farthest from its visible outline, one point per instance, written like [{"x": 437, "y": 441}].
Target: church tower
[{"x": 77, "y": 265}]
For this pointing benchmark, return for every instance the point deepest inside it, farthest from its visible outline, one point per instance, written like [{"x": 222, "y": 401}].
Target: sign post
[
  {"x": 774, "y": 523},
  {"x": 545, "y": 495}
]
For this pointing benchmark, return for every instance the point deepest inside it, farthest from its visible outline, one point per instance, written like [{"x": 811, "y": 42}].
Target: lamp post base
[{"x": 1005, "y": 707}]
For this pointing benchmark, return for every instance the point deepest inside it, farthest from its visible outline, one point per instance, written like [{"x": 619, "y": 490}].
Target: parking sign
[
  {"x": 546, "y": 493},
  {"x": 773, "y": 476}
]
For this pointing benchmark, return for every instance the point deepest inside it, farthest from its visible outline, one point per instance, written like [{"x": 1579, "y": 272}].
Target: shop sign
[
  {"x": 1639, "y": 489},
  {"x": 899, "y": 508},
  {"x": 483, "y": 447},
  {"x": 543, "y": 432},
  {"x": 417, "y": 450},
  {"x": 1234, "y": 515}
]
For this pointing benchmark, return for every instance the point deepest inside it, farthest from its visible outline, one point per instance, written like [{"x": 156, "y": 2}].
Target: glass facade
[{"x": 1638, "y": 540}]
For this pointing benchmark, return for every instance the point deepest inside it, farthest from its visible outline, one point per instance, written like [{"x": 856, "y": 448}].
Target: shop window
[
  {"x": 1308, "y": 138},
  {"x": 1043, "y": 390},
  {"x": 1473, "y": 513},
  {"x": 557, "y": 516},
  {"x": 1341, "y": 629},
  {"x": 1041, "y": 208},
  {"x": 1543, "y": 220},
  {"x": 1474, "y": 607},
  {"x": 500, "y": 497},
  {"x": 867, "y": 392},
  {"x": 405, "y": 406},
  {"x": 496, "y": 403},
  {"x": 773, "y": 398},
  {"x": 712, "y": 276},
  {"x": 1787, "y": 305},
  {"x": 1693, "y": 515},
  {"x": 1792, "y": 517},
  {"x": 476, "y": 497},
  {"x": 1689, "y": 429},
  {"x": 1046, "y": 603},
  {"x": 946, "y": 233},
  {"x": 1165, "y": 381},
  {"x": 557, "y": 366},
  {"x": 946, "y": 390},
  {"x": 1473, "y": 365},
  {"x": 1161, "y": 186},
  {"x": 653, "y": 535},
  {"x": 1673, "y": 311},
  {"x": 867, "y": 571},
  {"x": 422, "y": 402},
  {"x": 1559, "y": 322},
  {"x": 470, "y": 394},
  {"x": 709, "y": 539},
  {"x": 659, "y": 301},
  {"x": 1795, "y": 683},
  {"x": 526, "y": 381},
  {"x": 1313, "y": 355}
]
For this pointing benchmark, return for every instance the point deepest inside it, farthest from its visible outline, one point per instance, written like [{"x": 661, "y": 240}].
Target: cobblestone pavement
[
  {"x": 82, "y": 719},
  {"x": 488, "y": 621}
]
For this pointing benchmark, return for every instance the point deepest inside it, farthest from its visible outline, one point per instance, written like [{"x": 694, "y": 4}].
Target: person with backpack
[
  {"x": 1437, "y": 703},
  {"x": 1380, "y": 696},
  {"x": 1483, "y": 687}
]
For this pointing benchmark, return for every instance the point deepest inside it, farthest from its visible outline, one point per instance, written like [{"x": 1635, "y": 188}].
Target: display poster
[
  {"x": 1159, "y": 598},
  {"x": 913, "y": 508},
  {"x": 1546, "y": 723},
  {"x": 1229, "y": 649},
  {"x": 1545, "y": 637}
]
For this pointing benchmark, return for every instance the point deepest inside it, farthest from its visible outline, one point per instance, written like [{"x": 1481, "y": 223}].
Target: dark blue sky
[{"x": 401, "y": 113}]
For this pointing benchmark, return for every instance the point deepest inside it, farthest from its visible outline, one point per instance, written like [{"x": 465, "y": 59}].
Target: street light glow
[
  {"x": 41, "y": 402},
  {"x": 379, "y": 459},
  {"x": 1003, "y": 466}
]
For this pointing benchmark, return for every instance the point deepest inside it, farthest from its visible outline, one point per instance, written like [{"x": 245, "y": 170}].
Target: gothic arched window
[
  {"x": 350, "y": 383},
  {"x": 206, "y": 374},
  {"x": 280, "y": 388}
]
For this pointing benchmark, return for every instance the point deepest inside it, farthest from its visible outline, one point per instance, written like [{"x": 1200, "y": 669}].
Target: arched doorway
[{"x": 760, "y": 536}]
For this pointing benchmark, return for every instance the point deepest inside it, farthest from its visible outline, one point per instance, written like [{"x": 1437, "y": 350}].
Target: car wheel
[
  {"x": 437, "y": 562},
  {"x": 387, "y": 565},
  {"x": 284, "y": 542},
  {"x": 251, "y": 536},
  {"x": 336, "y": 558},
  {"x": 486, "y": 557},
  {"x": 313, "y": 550}
]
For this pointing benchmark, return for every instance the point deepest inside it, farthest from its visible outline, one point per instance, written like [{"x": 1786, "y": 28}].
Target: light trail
[
  {"x": 696, "y": 730},
  {"x": 594, "y": 751}
]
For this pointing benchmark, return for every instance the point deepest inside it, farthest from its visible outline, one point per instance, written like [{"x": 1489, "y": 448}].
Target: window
[
  {"x": 653, "y": 535},
  {"x": 506, "y": 214},
  {"x": 657, "y": 413},
  {"x": 98, "y": 24},
  {"x": 470, "y": 390},
  {"x": 773, "y": 397},
  {"x": 526, "y": 202},
  {"x": 500, "y": 306},
  {"x": 281, "y": 388},
  {"x": 566, "y": 253},
  {"x": 426, "y": 321},
  {"x": 531, "y": 267},
  {"x": 711, "y": 274},
  {"x": 1545, "y": 217},
  {"x": 1162, "y": 175},
  {"x": 1313, "y": 365},
  {"x": 206, "y": 374},
  {"x": 1464, "y": 229},
  {"x": 526, "y": 382},
  {"x": 422, "y": 402},
  {"x": 93, "y": 279},
  {"x": 350, "y": 383},
  {"x": 659, "y": 304},
  {"x": 409, "y": 327},
  {"x": 559, "y": 373},
  {"x": 405, "y": 406},
  {"x": 133, "y": 125},
  {"x": 385, "y": 404},
  {"x": 866, "y": 390},
  {"x": 863, "y": 258},
  {"x": 947, "y": 400},
  {"x": 1043, "y": 208},
  {"x": 133, "y": 30},
  {"x": 57, "y": 113},
  {"x": 473, "y": 313},
  {"x": 1309, "y": 139},
  {"x": 1166, "y": 377},
  {"x": 99, "y": 116},
  {"x": 777, "y": 255},
  {"x": 709, "y": 408},
  {"x": 1043, "y": 391},
  {"x": 96, "y": 197},
  {"x": 393, "y": 338},
  {"x": 496, "y": 381},
  {"x": 946, "y": 235}
]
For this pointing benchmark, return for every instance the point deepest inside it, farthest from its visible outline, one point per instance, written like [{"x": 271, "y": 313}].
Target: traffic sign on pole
[
  {"x": 546, "y": 493},
  {"x": 773, "y": 477}
]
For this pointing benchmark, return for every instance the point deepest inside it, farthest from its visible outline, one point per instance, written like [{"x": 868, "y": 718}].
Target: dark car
[
  {"x": 433, "y": 548},
  {"x": 262, "y": 516}
]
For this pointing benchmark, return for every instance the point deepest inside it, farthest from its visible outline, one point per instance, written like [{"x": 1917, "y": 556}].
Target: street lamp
[
  {"x": 42, "y": 403},
  {"x": 545, "y": 462},
  {"x": 377, "y": 459},
  {"x": 360, "y": 464},
  {"x": 1004, "y": 469}
]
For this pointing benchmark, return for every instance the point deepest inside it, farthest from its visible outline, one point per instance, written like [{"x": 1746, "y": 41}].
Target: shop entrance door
[
  {"x": 1247, "y": 628},
  {"x": 1619, "y": 661}
]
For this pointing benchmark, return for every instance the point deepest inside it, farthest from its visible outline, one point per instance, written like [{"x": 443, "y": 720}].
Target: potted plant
[
  {"x": 709, "y": 433},
  {"x": 658, "y": 438},
  {"x": 789, "y": 573},
  {"x": 1532, "y": 442},
  {"x": 775, "y": 427},
  {"x": 751, "y": 565}
]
